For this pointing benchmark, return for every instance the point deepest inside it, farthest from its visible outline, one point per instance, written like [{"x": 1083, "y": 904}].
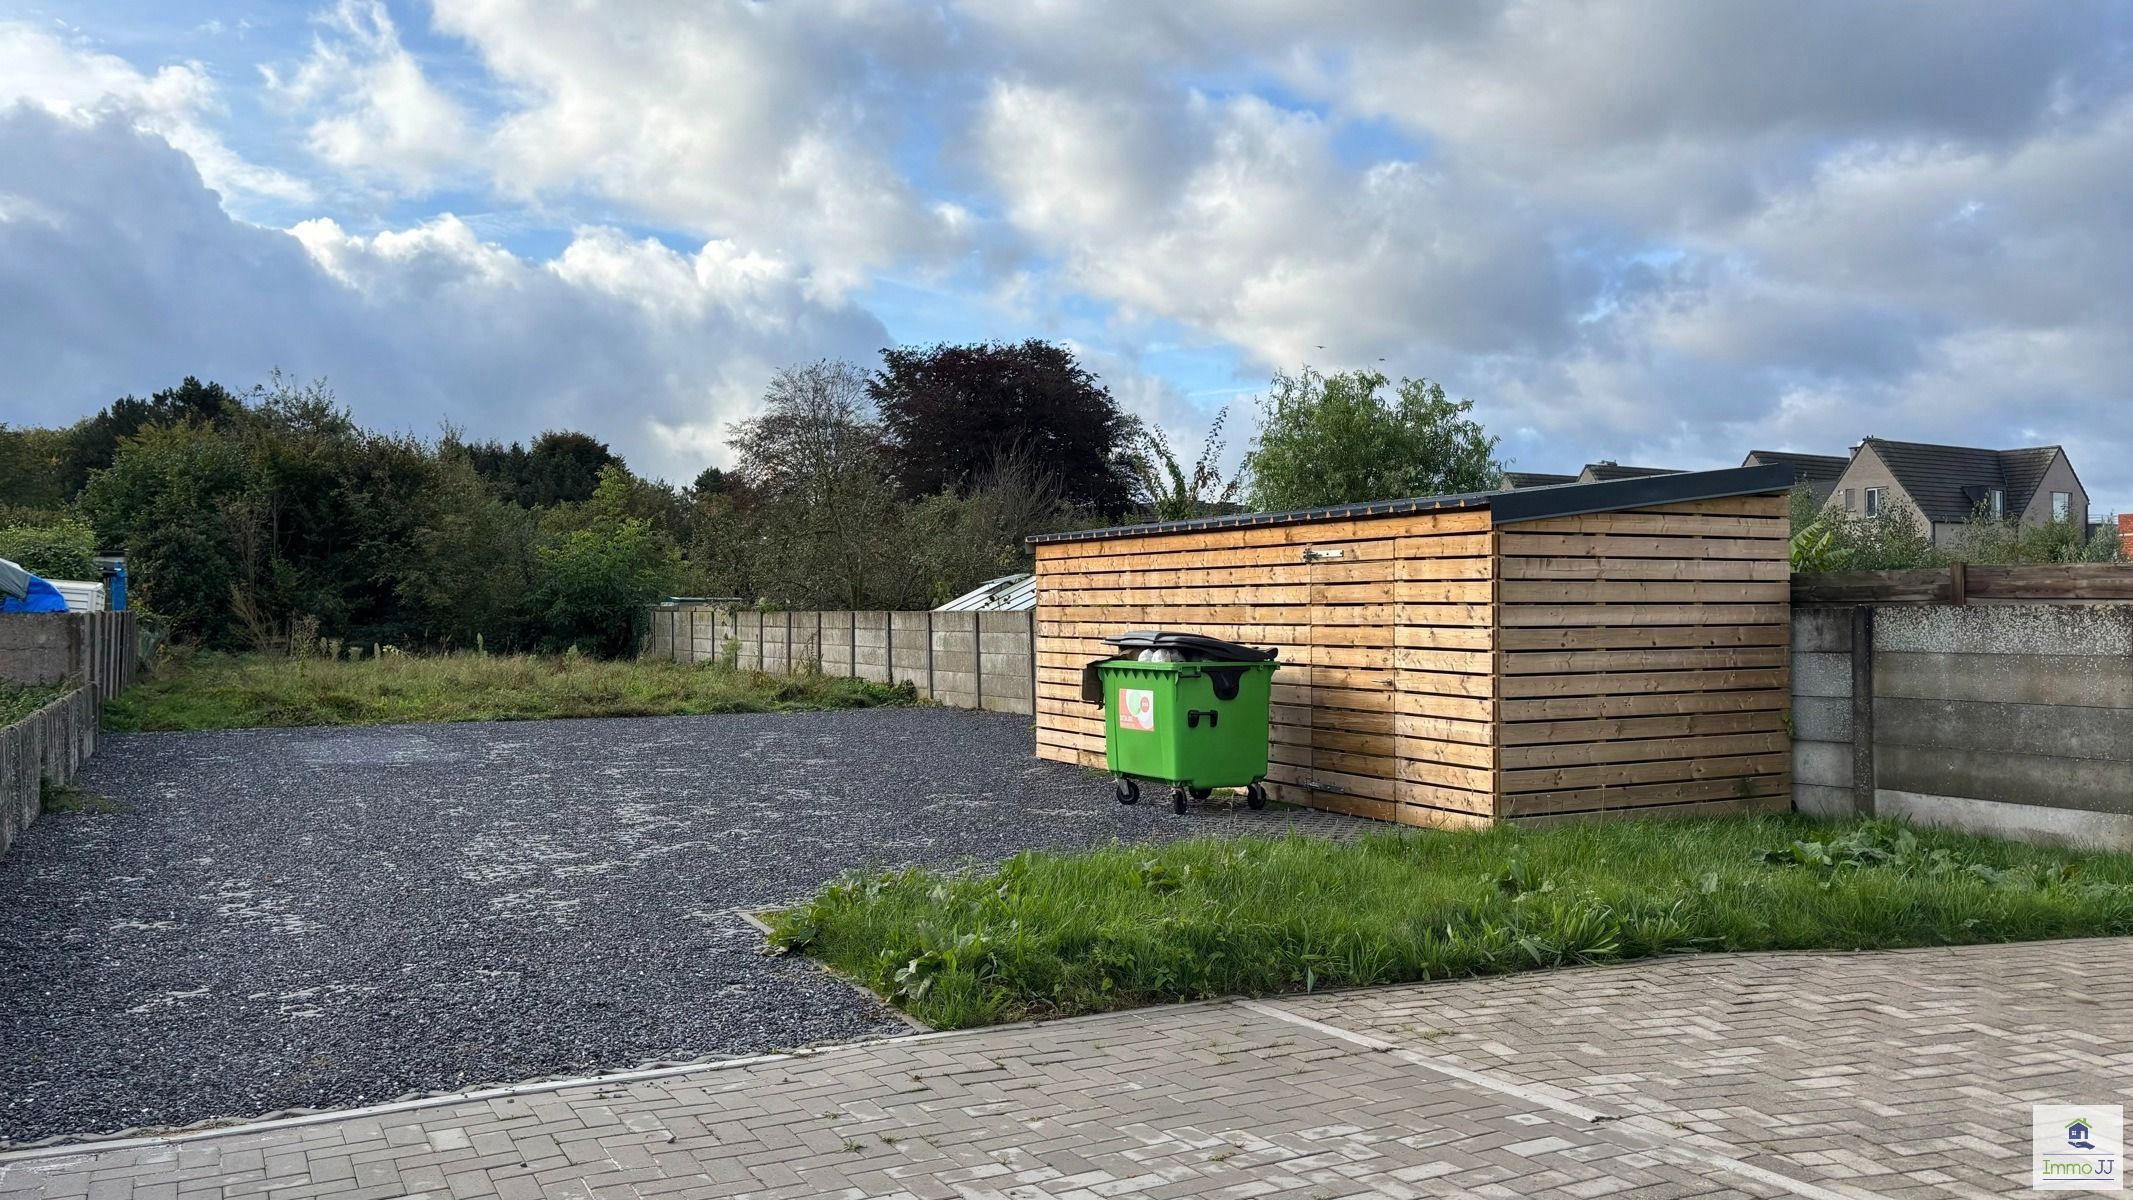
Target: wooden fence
[
  {"x": 962, "y": 659},
  {"x": 1962, "y": 583}
]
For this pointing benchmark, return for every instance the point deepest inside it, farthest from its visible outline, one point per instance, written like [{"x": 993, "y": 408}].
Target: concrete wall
[
  {"x": 51, "y": 743},
  {"x": 40, "y": 649},
  {"x": 964, "y": 659},
  {"x": 2015, "y": 720}
]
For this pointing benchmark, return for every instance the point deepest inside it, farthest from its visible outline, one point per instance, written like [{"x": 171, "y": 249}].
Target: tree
[
  {"x": 963, "y": 540},
  {"x": 166, "y": 498},
  {"x": 595, "y": 582},
  {"x": 563, "y": 467},
  {"x": 64, "y": 549},
  {"x": 1170, "y": 494},
  {"x": 1333, "y": 439},
  {"x": 94, "y": 442},
  {"x": 950, "y": 411},
  {"x": 825, "y": 526}
]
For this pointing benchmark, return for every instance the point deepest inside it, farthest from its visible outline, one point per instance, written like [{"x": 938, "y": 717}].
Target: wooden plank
[
  {"x": 1634, "y": 546},
  {"x": 1645, "y": 795},
  {"x": 1584, "y": 753},
  {"x": 1614, "y": 591},
  {"x": 1700, "y": 810},
  {"x": 1523, "y": 733},
  {"x": 1581, "y": 615},
  {"x": 1662, "y": 524},
  {"x": 1621, "y": 683},
  {"x": 1736, "y": 570},
  {"x": 2052, "y": 581},
  {"x": 1614, "y": 774},
  {"x": 1559, "y": 662},
  {"x": 1658, "y": 636},
  {"x": 1931, "y": 586},
  {"x": 1569, "y": 708}
]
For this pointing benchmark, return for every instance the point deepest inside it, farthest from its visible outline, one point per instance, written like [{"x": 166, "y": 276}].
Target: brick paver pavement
[{"x": 1823, "y": 1076}]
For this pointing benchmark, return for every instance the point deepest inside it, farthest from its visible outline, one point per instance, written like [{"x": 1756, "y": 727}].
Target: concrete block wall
[
  {"x": 965, "y": 659},
  {"x": 2015, "y": 720},
  {"x": 51, "y": 743}
]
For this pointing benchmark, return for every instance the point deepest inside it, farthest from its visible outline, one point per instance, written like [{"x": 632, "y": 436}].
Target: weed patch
[
  {"x": 1056, "y": 934},
  {"x": 213, "y": 691}
]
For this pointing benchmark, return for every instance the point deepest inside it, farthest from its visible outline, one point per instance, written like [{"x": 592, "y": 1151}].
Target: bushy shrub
[{"x": 64, "y": 549}]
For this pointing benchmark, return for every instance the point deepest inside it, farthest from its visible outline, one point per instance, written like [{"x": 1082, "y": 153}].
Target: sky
[{"x": 1664, "y": 232}]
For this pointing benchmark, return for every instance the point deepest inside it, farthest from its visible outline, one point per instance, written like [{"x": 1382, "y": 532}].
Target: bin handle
[{"x": 1193, "y": 715}]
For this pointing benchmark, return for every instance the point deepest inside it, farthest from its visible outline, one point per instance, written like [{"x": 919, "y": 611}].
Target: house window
[
  {"x": 2062, "y": 505},
  {"x": 1997, "y": 498},
  {"x": 1851, "y": 503},
  {"x": 1874, "y": 501}
]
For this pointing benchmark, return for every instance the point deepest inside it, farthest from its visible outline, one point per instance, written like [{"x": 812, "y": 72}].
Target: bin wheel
[
  {"x": 1129, "y": 792},
  {"x": 1177, "y": 801},
  {"x": 1202, "y": 793},
  {"x": 1255, "y": 797}
]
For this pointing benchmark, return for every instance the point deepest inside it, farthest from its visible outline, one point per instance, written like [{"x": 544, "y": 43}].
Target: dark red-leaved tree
[{"x": 952, "y": 412}]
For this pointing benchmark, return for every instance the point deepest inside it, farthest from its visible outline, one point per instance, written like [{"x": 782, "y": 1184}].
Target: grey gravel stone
[{"x": 330, "y": 917}]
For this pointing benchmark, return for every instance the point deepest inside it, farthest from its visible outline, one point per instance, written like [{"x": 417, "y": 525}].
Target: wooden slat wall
[
  {"x": 1386, "y": 689},
  {"x": 1644, "y": 659}
]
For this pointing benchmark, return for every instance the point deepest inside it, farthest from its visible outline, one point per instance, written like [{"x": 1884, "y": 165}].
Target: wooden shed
[{"x": 1616, "y": 648}]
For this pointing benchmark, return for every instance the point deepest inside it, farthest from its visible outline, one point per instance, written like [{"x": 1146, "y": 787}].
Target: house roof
[
  {"x": 1508, "y": 505},
  {"x": 1807, "y": 468},
  {"x": 1947, "y": 482},
  {"x": 1603, "y": 472},
  {"x": 1525, "y": 479}
]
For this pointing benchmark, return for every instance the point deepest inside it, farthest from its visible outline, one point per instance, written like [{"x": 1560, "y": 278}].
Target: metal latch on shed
[{"x": 1314, "y": 554}]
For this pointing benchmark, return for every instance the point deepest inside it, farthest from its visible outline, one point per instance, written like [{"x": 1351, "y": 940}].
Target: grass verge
[
  {"x": 1059, "y": 934},
  {"x": 19, "y": 702},
  {"x": 214, "y": 691}
]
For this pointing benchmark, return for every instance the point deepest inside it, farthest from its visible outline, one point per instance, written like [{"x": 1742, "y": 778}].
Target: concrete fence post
[{"x": 1863, "y": 709}]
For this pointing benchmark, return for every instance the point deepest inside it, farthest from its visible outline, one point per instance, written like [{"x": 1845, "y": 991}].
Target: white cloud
[
  {"x": 379, "y": 116},
  {"x": 175, "y": 102},
  {"x": 121, "y": 273},
  {"x": 772, "y": 124}
]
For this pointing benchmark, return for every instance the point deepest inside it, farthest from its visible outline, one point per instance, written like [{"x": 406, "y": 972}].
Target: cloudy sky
[{"x": 1659, "y": 232}]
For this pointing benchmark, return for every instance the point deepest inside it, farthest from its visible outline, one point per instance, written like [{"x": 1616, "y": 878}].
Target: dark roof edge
[
  {"x": 1523, "y": 504},
  {"x": 1368, "y": 508},
  {"x": 1615, "y": 495}
]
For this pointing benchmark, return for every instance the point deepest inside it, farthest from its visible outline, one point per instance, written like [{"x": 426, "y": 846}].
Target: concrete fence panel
[
  {"x": 49, "y": 744},
  {"x": 979, "y": 660},
  {"x": 2010, "y": 719}
]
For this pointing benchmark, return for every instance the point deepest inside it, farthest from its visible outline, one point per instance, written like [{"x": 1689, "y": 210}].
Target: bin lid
[{"x": 1192, "y": 647}]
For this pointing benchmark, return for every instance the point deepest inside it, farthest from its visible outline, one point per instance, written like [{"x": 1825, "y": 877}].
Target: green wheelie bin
[{"x": 1185, "y": 710}]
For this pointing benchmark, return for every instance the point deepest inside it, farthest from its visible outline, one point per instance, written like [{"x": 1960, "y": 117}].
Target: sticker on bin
[{"x": 1136, "y": 709}]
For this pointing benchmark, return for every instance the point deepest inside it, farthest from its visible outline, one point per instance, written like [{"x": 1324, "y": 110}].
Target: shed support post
[{"x": 929, "y": 654}]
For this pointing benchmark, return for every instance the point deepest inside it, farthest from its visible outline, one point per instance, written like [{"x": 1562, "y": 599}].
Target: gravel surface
[{"x": 317, "y": 918}]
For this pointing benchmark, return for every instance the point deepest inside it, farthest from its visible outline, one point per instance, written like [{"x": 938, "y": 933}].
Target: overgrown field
[
  {"x": 19, "y": 702},
  {"x": 213, "y": 691},
  {"x": 1057, "y": 934}
]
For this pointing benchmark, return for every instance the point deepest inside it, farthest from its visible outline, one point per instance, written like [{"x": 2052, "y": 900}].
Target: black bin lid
[{"x": 1192, "y": 647}]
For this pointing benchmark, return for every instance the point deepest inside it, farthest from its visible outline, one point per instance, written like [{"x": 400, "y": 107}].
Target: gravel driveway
[{"x": 325, "y": 917}]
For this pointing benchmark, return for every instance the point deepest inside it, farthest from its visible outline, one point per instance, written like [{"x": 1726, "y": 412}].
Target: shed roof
[
  {"x": 1508, "y": 505},
  {"x": 1008, "y": 593},
  {"x": 1947, "y": 482},
  {"x": 1811, "y": 468}
]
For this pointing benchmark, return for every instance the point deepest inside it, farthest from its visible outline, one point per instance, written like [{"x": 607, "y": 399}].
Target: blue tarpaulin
[{"x": 37, "y": 597}]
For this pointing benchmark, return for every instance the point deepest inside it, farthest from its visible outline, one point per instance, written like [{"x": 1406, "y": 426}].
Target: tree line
[{"x": 251, "y": 518}]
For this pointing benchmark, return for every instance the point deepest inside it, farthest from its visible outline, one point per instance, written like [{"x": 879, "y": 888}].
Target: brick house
[{"x": 1945, "y": 484}]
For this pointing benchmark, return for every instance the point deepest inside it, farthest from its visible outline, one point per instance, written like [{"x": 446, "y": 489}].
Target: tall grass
[
  {"x": 214, "y": 691},
  {"x": 19, "y": 702},
  {"x": 1055, "y": 934}
]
